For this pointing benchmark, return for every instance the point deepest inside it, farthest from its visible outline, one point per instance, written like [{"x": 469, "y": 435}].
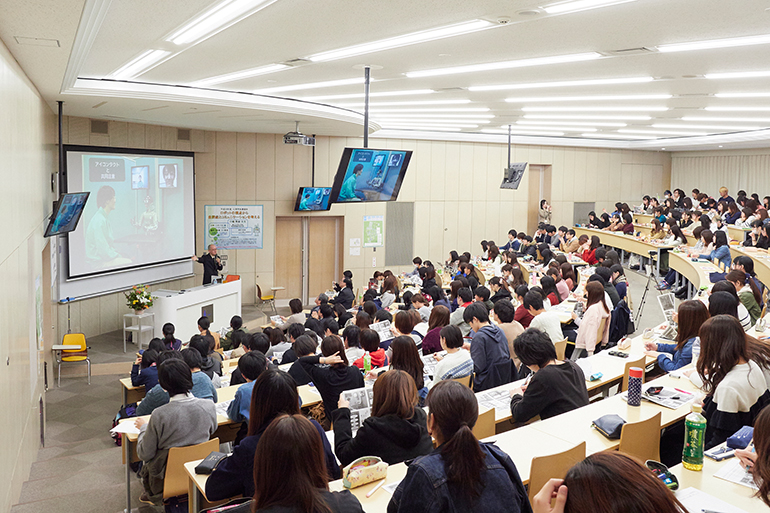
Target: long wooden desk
[{"x": 131, "y": 394}]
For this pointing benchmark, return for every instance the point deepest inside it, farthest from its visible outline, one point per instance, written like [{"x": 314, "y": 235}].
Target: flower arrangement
[{"x": 139, "y": 298}]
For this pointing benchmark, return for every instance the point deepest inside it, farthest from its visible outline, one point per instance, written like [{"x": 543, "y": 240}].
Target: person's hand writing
[
  {"x": 553, "y": 489},
  {"x": 747, "y": 458},
  {"x": 650, "y": 346},
  {"x": 343, "y": 403},
  {"x": 517, "y": 391},
  {"x": 652, "y": 354},
  {"x": 437, "y": 357}
]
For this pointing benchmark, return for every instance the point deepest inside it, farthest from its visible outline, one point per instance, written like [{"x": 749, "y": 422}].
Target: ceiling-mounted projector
[{"x": 297, "y": 137}]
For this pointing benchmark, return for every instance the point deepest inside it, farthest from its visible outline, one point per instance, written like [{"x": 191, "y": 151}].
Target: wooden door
[
  {"x": 288, "y": 257},
  {"x": 324, "y": 254}
]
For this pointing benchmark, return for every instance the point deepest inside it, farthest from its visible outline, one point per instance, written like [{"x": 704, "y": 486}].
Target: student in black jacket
[
  {"x": 331, "y": 373},
  {"x": 345, "y": 296},
  {"x": 302, "y": 346},
  {"x": 468, "y": 273},
  {"x": 397, "y": 429},
  {"x": 556, "y": 386}
]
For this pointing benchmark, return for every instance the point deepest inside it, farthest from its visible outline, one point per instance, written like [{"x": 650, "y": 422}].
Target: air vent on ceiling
[
  {"x": 295, "y": 62},
  {"x": 629, "y": 51},
  {"x": 99, "y": 126},
  {"x": 37, "y": 41},
  {"x": 183, "y": 134}
]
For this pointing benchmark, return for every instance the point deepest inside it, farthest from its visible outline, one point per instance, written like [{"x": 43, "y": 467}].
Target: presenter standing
[{"x": 211, "y": 263}]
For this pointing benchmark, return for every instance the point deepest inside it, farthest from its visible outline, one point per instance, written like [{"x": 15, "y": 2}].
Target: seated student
[
  {"x": 236, "y": 325},
  {"x": 482, "y": 295},
  {"x": 363, "y": 320},
  {"x": 295, "y": 330},
  {"x": 251, "y": 365},
  {"x": 457, "y": 363},
  {"x": 170, "y": 341},
  {"x": 465, "y": 299},
  {"x": 370, "y": 343},
  {"x": 331, "y": 373},
  {"x": 351, "y": 338},
  {"x": 657, "y": 232},
  {"x": 439, "y": 317},
  {"x": 547, "y": 322},
  {"x": 488, "y": 349},
  {"x": 556, "y": 386},
  {"x": 522, "y": 315},
  {"x": 500, "y": 289},
  {"x": 658, "y": 214},
  {"x": 275, "y": 394},
  {"x": 204, "y": 323},
  {"x": 512, "y": 244},
  {"x": 389, "y": 291},
  {"x": 686, "y": 220},
  {"x": 462, "y": 474},
  {"x": 594, "y": 221},
  {"x": 255, "y": 342},
  {"x": 345, "y": 296},
  {"x": 568, "y": 275},
  {"x": 211, "y": 366},
  {"x": 748, "y": 293},
  {"x": 757, "y": 237},
  {"x": 757, "y": 459},
  {"x": 690, "y": 317},
  {"x": 589, "y": 250},
  {"x": 735, "y": 386},
  {"x": 330, "y": 327},
  {"x": 562, "y": 287},
  {"x": 397, "y": 429},
  {"x": 156, "y": 396},
  {"x": 615, "y": 223},
  {"x": 421, "y": 305},
  {"x": 746, "y": 264},
  {"x": 606, "y": 275},
  {"x": 407, "y": 358},
  {"x": 627, "y": 224},
  {"x": 469, "y": 274},
  {"x": 724, "y": 300},
  {"x": 149, "y": 374},
  {"x": 733, "y": 213},
  {"x": 296, "y": 315},
  {"x": 185, "y": 420},
  {"x": 599, "y": 256},
  {"x": 278, "y": 344},
  {"x": 548, "y": 284},
  {"x": 552, "y": 238},
  {"x": 721, "y": 252},
  {"x": 596, "y": 312},
  {"x": 503, "y": 315},
  {"x": 322, "y": 299},
  {"x": 202, "y": 388},
  {"x": 417, "y": 261},
  {"x": 569, "y": 243},
  {"x": 302, "y": 346},
  {"x": 619, "y": 281},
  {"x": 404, "y": 323}
]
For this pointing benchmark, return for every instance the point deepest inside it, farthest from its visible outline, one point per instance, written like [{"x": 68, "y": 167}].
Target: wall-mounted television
[
  {"x": 313, "y": 198},
  {"x": 366, "y": 175},
  {"x": 67, "y": 212}
]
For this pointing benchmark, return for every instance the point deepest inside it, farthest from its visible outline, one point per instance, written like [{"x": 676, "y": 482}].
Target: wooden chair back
[
  {"x": 176, "y": 480},
  {"x": 641, "y": 363},
  {"x": 485, "y": 425},
  {"x": 561, "y": 347},
  {"x": 554, "y": 466},
  {"x": 600, "y": 331},
  {"x": 464, "y": 381},
  {"x": 642, "y": 439}
]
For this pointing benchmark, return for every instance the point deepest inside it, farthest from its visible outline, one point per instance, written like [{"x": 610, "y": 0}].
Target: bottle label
[{"x": 693, "y": 442}]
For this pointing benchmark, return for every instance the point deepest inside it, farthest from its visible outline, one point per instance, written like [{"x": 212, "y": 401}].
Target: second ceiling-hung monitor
[
  {"x": 366, "y": 175},
  {"x": 313, "y": 198}
]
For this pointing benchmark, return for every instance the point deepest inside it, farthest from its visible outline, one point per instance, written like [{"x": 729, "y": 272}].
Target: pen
[
  {"x": 684, "y": 392},
  {"x": 371, "y": 492}
]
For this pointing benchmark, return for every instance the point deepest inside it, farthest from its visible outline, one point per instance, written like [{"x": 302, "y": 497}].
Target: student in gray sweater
[{"x": 185, "y": 420}]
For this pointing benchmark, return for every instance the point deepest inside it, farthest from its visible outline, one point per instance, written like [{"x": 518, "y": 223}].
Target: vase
[{"x": 139, "y": 312}]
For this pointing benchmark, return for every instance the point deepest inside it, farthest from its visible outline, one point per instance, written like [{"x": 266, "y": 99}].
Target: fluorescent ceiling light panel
[
  {"x": 427, "y": 115},
  {"x": 519, "y": 132},
  {"x": 405, "y": 40},
  {"x": 491, "y": 66},
  {"x": 738, "y": 109},
  {"x": 216, "y": 19},
  {"x": 239, "y": 75},
  {"x": 567, "y": 83},
  {"x": 431, "y": 121},
  {"x": 371, "y": 95},
  {"x": 561, "y": 128},
  {"x": 396, "y": 104},
  {"x": 588, "y": 117},
  {"x": 569, "y": 123},
  {"x": 707, "y": 127},
  {"x": 742, "y": 95},
  {"x": 594, "y": 109},
  {"x": 590, "y": 98},
  {"x": 429, "y": 125},
  {"x": 737, "y": 74},
  {"x": 715, "y": 43},
  {"x": 141, "y": 64},
  {"x": 659, "y": 132},
  {"x": 434, "y": 110},
  {"x": 727, "y": 120},
  {"x": 617, "y": 136},
  {"x": 423, "y": 128},
  {"x": 311, "y": 85},
  {"x": 580, "y": 5}
]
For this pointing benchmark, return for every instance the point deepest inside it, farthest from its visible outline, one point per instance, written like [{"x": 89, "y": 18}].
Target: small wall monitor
[
  {"x": 366, "y": 175},
  {"x": 66, "y": 213},
  {"x": 313, "y": 198}
]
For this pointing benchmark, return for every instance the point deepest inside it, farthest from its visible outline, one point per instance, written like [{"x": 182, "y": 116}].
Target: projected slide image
[
  {"x": 139, "y": 177},
  {"x": 371, "y": 175},
  {"x": 167, "y": 174}
]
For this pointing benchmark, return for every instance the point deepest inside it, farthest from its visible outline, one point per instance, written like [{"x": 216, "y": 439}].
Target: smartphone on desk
[{"x": 720, "y": 453}]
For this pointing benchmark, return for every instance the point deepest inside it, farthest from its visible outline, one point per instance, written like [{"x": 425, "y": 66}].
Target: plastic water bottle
[
  {"x": 694, "y": 432},
  {"x": 695, "y": 350},
  {"x": 635, "y": 375},
  {"x": 367, "y": 362}
]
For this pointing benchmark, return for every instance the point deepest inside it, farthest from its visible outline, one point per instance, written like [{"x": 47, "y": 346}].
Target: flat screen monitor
[
  {"x": 513, "y": 175},
  {"x": 313, "y": 198},
  {"x": 67, "y": 213},
  {"x": 367, "y": 175}
]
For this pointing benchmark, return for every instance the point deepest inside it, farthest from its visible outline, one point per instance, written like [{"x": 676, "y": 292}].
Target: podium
[{"x": 219, "y": 302}]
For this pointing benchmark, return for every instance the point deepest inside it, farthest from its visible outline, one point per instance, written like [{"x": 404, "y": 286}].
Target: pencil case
[{"x": 363, "y": 471}]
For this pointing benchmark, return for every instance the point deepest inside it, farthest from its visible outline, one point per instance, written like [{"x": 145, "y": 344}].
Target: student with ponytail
[
  {"x": 172, "y": 343},
  {"x": 461, "y": 474},
  {"x": 748, "y": 293}
]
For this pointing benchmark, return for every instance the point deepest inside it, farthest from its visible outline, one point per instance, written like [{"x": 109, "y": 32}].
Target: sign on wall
[
  {"x": 374, "y": 231},
  {"x": 233, "y": 226}
]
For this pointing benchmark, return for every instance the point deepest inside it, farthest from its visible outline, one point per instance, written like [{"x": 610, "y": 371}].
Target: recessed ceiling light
[
  {"x": 520, "y": 132},
  {"x": 580, "y": 5},
  {"x": 216, "y": 19},
  {"x": 617, "y": 136},
  {"x": 720, "y": 145},
  {"x": 659, "y": 132},
  {"x": 707, "y": 127},
  {"x": 727, "y": 120},
  {"x": 141, "y": 64},
  {"x": 430, "y": 121},
  {"x": 738, "y": 74},
  {"x": 566, "y": 83},
  {"x": 742, "y": 95},
  {"x": 521, "y": 63},
  {"x": 589, "y": 98},
  {"x": 371, "y": 95},
  {"x": 663, "y": 148},
  {"x": 422, "y": 127},
  {"x": 558, "y": 127},
  {"x": 405, "y": 40},
  {"x": 568, "y": 123},
  {"x": 311, "y": 85},
  {"x": 587, "y": 117},
  {"x": 737, "y": 109},
  {"x": 428, "y": 124},
  {"x": 715, "y": 43},
  {"x": 395, "y": 104},
  {"x": 239, "y": 75},
  {"x": 427, "y": 115},
  {"x": 594, "y": 109}
]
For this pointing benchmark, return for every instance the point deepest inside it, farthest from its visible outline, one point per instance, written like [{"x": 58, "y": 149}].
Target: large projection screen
[{"x": 138, "y": 225}]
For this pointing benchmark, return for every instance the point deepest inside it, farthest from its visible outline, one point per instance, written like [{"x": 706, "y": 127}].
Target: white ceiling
[{"x": 97, "y": 37}]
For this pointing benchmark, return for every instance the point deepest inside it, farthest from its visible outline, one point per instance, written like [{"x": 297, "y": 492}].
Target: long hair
[
  {"x": 761, "y": 468},
  {"x": 613, "y": 482},
  {"x": 394, "y": 393},
  {"x": 453, "y": 288},
  {"x": 276, "y": 394},
  {"x": 595, "y": 242},
  {"x": 407, "y": 358},
  {"x": 503, "y": 284},
  {"x": 690, "y": 317},
  {"x": 723, "y": 344},
  {"x": 168, "y": 334},
  {"x": 289, "y": 466},
  {"x": 334, "y": 344},
  {"x": 439, "y": 316},
  {"x": 455, "y": 410},
  {"x": 549, "y": 286},
  {"x": 595, "y": 293},
  {"x": 742, "y": 278}
]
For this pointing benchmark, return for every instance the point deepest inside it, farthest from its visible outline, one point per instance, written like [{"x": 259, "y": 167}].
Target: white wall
[
  {"x": 735, "y": 169},
  {"x": 26, "y": 162}
]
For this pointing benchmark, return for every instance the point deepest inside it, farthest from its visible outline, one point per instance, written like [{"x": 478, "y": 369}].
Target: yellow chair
[
  {"x": 176, "y": 481},
  {"x": 464, "y": 381},
  {"x": 642, "y": 439},
  {"x": 232, "y": 277},
  {"x": 641, "y": 363},
  {"x": 262, "y": 300},
  {"x": 74, "y": 355},
  {"x": 561, "y": 347},
  {"x": 485, "y": 425},
  {"x": 554, "y": 466}
]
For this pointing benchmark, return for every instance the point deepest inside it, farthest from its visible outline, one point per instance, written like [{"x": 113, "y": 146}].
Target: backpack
[
  {"x": 620, "y": 323},
  {"x": 129, "y": 410}
]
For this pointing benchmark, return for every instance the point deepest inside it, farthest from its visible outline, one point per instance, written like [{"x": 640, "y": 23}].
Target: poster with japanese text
[{"x": 233, "y": 226}]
